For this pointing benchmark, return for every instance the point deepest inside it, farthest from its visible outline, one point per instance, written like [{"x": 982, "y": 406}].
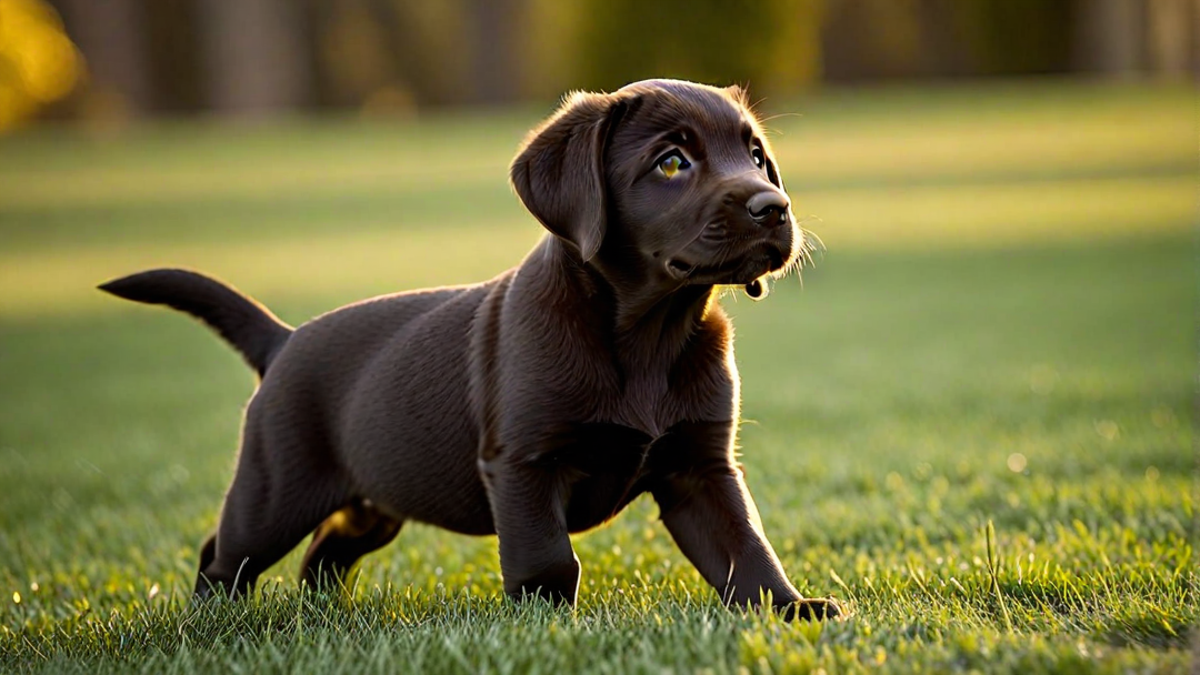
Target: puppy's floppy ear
[{"x": 559, "y": 172}]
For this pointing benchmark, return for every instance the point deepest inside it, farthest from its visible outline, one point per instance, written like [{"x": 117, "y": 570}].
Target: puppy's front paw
[
  {"x": 557, "y": 584},
  {"x": 814, "y": 609}
]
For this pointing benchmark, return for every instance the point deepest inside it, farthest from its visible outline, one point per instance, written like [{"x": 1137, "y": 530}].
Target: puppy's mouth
[{"x": 763, "y": 259}]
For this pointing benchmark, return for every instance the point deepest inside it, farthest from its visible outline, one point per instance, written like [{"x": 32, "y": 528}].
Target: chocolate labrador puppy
[{"x": 539, "y": 403}]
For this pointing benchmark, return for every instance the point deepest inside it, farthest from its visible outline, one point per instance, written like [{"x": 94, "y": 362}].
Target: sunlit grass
[
  {"x": 306, "y": 207},
  {"x": 53, "y": 282},
  {"x": 826, "y": 139},
  {"x": 374, "y": 253},
  {"x": 883, "y": 404},
  {"x": 1008, "y": 343}
]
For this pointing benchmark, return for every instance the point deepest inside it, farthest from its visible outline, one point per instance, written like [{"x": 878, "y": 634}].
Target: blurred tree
[
  {"x": 352, "y": 41},
  {"x": 943, "y": 52},
  {"x": 869, "y": 39},
  {"x": 873, "y": 39},
  {"x": 1109, "y": 36},
  {"x": 111, "y": 36},
  {"x": 1015, "y": 37},
  {"x": 1193, "y": 22},
  {"x": 1126, "y": 38},
  {"x": 394, "y": 56},
  {"x": 493, "y": 34},
  {"x": 772, "y": 45},
  {"x": 425, "y": 39},
  {"x": 549, "y": 65},
  {"x": 1171, "y": 34},
  {"x": 389, "y": 56},
  {"x": 254, "y": 54},
  {"x": 38, "y": 62},
  {"x": 173, "y": 55}
]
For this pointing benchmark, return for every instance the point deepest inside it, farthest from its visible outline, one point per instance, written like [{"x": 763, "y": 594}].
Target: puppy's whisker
[
  {"x": 810, "y": 244},
  {"x": 777, "y": 116},
  {"x": 812, "y": 240}
]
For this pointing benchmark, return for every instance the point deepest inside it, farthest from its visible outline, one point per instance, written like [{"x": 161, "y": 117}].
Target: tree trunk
[
  {"x": 1169, "y": 35},
  {"x": 110, "y": 35},
  {"x": 1111, "y": 37},
  {"x": 494, "y": 28},
  {"x": 254, "y": 56}
]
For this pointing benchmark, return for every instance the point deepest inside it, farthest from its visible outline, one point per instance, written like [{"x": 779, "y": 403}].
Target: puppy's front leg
[
  {"x": 536, "y": 558},
  {"x": 709, "y": 511}
]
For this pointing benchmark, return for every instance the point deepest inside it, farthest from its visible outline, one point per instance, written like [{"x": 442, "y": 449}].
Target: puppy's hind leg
[
  {"x": 347, "y": 535},
  {"x": 270, "y": 507},
  {"x": 208, "y": 551}
]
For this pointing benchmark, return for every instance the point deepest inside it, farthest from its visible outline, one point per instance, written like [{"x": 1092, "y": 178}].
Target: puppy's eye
[
  {"x": 672, "y": 164},
  {"x": 760, "y": 160}
]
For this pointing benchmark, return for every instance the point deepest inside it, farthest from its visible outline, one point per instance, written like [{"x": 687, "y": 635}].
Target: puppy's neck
[{"x": 646, "y": 321}]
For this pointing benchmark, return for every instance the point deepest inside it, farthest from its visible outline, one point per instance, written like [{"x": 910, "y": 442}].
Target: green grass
[{"x": 1001, "y": 332}]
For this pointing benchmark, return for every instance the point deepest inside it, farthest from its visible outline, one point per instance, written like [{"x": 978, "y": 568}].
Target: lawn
[{"x": 972, "y": 421}]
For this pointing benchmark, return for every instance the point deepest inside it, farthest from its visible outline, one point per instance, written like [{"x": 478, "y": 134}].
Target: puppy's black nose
[{"x": 768, "y": 208}]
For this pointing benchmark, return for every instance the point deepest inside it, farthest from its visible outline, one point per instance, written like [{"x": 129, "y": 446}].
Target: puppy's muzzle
[{"x": 769, "y": 209}]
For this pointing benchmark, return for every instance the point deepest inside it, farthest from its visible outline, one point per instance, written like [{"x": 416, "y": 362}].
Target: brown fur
[{"x": 541, "y": 402}]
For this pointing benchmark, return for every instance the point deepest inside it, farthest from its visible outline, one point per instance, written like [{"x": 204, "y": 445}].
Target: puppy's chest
[
  {"x": 604, "y": 466},
  {"x": 644, "y": 403},
  {"x": 654, "y": 403}
]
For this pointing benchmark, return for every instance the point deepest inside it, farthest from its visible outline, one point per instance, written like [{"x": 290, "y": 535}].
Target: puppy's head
[{"x": 667, "y": 183}]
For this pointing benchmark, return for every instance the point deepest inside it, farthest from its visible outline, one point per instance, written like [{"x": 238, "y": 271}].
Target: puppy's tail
[{"x": 248, "y": 326}]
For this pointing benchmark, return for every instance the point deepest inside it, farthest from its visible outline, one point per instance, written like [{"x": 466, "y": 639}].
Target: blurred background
[
  {"x": 1007, "y": 190},
  {"x": 143, "y": 125},
  {"x": 117, "y": 60}
]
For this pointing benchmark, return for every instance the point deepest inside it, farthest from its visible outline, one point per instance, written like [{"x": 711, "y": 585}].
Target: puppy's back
[{"x": 380, "y": 387}]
